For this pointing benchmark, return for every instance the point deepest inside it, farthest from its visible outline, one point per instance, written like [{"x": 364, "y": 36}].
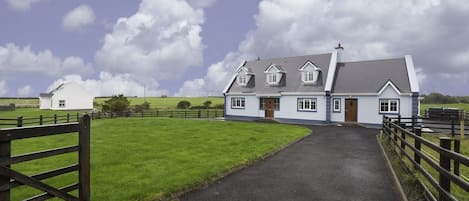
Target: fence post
[
  {"x": 41, "y": 119},
  {"x": 5, "y": 152},
  {"x": 402, "y": 135},
  {"x": 208, "y": 114},
  {"x": 84, "y": 158},
  {"x": 19, "y": 121},
  {"x": 185, "y": 114},
  {"x": 445, "y": 163},
  {"x": 198, "y": 114},
  {"x": 418, "y": 132},
  {"x": 111, "y": 115},
  {"x": 395, "y": 131},
  {"x": 157, "y": 113},
  {"x": 457, "y": 149},
  {"x": 461, "y": 128},
  {"x": 78, "y": 117},
  {"x": 414, "y": 119},
  {"x": 55, "y": 118},
  {"x": 452, "y": 128},
  {"x": 68, "y": 117},
  {"x": 216, "y": 114}
]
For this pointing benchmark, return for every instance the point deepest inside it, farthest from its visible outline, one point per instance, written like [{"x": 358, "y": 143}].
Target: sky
[{"x": 192, "y": 47}]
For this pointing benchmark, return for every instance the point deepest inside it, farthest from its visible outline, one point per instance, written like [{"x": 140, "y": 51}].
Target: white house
[
  {"x": 323, "y": 89},
  {"x": 67, "y": 96}
]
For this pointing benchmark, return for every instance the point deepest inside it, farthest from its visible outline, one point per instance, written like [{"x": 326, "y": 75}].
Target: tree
[
  {"x": 117, "y": 104},
  {"x": 183, "y": 104},
  {"x": 142, "y": 107},
  {"x": 207, "y": 103}
]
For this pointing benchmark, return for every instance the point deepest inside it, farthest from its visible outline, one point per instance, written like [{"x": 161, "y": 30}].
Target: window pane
[
  {"x": 313, "y": 104},
  {"x": 300, "y": 104},
  {"x": 393, "y": 107},
  {"x": 307, "y": 102}
]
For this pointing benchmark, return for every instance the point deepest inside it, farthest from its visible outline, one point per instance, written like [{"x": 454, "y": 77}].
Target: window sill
[{"x": 306, "y": 110}]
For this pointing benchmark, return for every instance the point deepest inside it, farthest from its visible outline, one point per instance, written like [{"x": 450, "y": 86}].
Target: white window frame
[
  {"x": 388, "y": 108},
  {"x": 242, "y": 79},
  {"x": 307, "y": 104},
  {"x": 272, "y": 78},
  {"x": 61, "y": 103},
  {"x": 336, "y": 102},
  {"x": 238, "y": 103}
]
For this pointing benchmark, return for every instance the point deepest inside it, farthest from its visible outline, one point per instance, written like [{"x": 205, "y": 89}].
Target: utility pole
[{"x": 144, "y": 95}]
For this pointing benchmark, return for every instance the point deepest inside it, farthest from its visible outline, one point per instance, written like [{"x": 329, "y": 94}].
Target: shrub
[
  {"x": 220, "y": 106},
  {"x": 164, "y": 96},
  {"x": 184, "y": 104},
  {"x": 198, "y": 107},
  {"x": 118, "y": 104},
  {"x": 207, "y": 104},
  {"x": 142, "y": 107}
]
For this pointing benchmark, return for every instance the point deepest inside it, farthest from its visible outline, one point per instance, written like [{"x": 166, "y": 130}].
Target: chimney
[{"x": 339, "y": 50}]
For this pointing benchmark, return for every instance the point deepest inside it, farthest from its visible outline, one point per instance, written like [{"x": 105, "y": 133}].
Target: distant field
[
  {"x": 168, "y": 103},
  {"x": 464, "y": 106},
  {"x": 30, "y": 102}
]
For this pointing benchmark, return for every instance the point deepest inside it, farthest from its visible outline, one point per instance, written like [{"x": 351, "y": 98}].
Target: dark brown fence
[
  {"x": 10, "y": 178},
  {"x": 397, "y": 135},
  {"x": 74, "y": 117}
]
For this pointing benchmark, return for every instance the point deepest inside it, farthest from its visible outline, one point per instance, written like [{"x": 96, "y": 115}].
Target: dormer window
[
  {"x": 310, "y": 73},
  {"x": 272, "y": 78},
  {"x": 274, "y": 74},
  {"x": 244, "y": 75},
  {"x": 242, "y": 79}
]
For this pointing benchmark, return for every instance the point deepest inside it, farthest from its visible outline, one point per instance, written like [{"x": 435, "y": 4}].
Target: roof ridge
[{"x": 277, "y": 58}]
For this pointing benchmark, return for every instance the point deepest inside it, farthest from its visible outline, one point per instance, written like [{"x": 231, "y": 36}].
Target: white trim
[
  {"x": 268, "y": 95},
  {"x": 354, "y": 94},
  {"x": 389, "y": 83},
  {"x": 309, "y": 63},
  {"x": 365, "y": 94},
  {"x": 414, "y": 85},
  {"x": 234, "y": 76},
  {"x": 331, "y": 71},
  {"x": 239, "y": 94},
  {"x": 302, "y": 93},
  {"x": 273, "y": 66}
]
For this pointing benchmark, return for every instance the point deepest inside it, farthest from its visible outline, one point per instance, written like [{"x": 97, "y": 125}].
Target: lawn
[
  {"x": 20, "y": 102},
  {"x": 145, "y": 159}
]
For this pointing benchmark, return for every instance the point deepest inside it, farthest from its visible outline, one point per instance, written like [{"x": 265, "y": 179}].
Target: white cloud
[
  {"x": 24, "y": 91},
  {"x": 21, "y": 5},
  {"x": 109, "y": 84},
  {"x": 24, "y": 60},
  {"x": 369, "y": 29},
  {"x": 201, "y": 3},
  {"x": 159, "y": 42},
  {"x": 78, "y": 18},
  {"x": 3, "y": 88}
]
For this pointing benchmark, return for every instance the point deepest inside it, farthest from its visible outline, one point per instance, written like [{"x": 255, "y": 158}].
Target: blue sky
[{"x": 191, "y": 47}]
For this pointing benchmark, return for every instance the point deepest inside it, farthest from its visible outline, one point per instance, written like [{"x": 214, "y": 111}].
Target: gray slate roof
[
  {"x": 291, "y": 81},
  {"x": 370, "y": 76}
]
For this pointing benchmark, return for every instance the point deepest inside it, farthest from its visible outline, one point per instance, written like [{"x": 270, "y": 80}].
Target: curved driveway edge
[{"x": 334, "y": 163}]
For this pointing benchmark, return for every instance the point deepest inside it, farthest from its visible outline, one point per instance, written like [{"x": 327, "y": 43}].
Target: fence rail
[
  {"x": 397, "y": 132},
  {"x": 74, "y": 117},
  {"x": 10, "y": 178}
]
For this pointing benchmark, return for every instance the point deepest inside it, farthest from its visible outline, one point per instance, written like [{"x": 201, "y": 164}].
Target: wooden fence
[
  {"x": 397, "y": 132},
  {"x": 10, "y": 178},
  {"x": 74, "y": 117}
]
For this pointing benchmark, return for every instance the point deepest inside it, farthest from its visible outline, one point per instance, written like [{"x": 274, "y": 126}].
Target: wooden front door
[
  {"x": 351, "y": 110},
  {"x": 269, "y": 108}
]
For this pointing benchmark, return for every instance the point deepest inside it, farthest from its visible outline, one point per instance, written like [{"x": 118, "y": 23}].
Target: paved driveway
[{"x": 334, "y": 163}]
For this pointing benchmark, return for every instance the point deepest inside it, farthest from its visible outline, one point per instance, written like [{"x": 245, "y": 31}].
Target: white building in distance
[{"x": 67, "y": 96}]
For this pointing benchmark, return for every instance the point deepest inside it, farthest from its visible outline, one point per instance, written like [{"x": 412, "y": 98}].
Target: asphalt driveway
[{"x": 334, "y": 163}]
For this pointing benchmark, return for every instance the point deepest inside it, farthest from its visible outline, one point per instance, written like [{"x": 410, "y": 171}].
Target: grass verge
[{"x": 148, "y": 159}]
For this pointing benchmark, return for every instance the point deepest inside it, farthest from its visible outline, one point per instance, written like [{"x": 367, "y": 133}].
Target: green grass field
[
  {"x": 145, "y": 159},
  {"x": 168, "y": 103},
  {"x": 155, "y": 102},
  {"x": 464, "y": 106}
]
